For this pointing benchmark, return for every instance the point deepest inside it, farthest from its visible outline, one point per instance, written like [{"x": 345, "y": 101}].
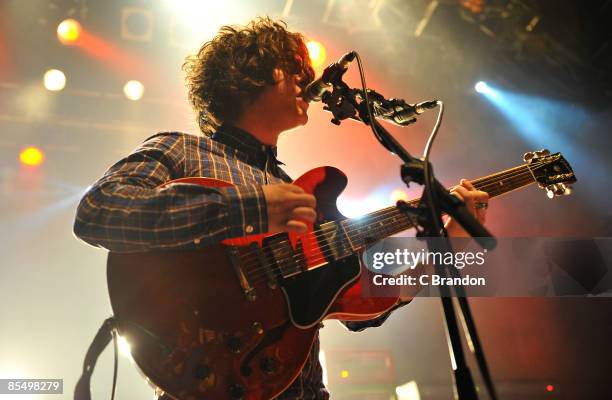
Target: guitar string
[
  {"x": 250, "y": 260},
  {"x": 287, "y": 253},
  {"x": 324, "y": 250},
  {"x": 479, "y": 182}
]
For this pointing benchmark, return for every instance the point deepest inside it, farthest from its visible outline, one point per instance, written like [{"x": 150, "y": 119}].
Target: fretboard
[{"x": 363, "y": 231}]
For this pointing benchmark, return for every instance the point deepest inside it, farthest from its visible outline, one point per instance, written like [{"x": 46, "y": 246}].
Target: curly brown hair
[{"x": 232, "y": 69}]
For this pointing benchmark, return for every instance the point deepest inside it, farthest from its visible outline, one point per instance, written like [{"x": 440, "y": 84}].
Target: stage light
[
  {"x": 358, "y": 208},
  {"x": 54, "y": 80},
  {"x": 31, "y": 156},
  {"x": 136, "y": 24},
  {"x": 542, "y": 122},
  {"x": 398, "y": 194},
  {"x": 317, "y": 53},
  {"x": 408, "y": 391},
  {"x": 550, "y": 388},
  {"x": 133, "y": 90},
  {"x": 351, "y": 209},
  {"x": 481, "y": 87},
  {"x": 204, "y": 18},
  {"x": 68, "y": 31}
]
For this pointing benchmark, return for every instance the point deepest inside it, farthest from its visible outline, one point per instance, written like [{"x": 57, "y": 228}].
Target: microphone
[
  {"x": 399, "y": 112},
  {"x": 331, "y": 74}
]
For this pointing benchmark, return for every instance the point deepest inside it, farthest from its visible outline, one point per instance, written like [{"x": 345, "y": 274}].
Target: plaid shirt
[{"x": 125, "y": 211}]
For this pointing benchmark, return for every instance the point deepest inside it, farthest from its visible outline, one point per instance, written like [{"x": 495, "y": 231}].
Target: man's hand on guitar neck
[
  {"x": 289, "y": 208},
  {"x": 476, "y": 201}
]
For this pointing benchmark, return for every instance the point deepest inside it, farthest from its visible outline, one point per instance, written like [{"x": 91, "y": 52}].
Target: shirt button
[{"x": 248, "y": 228}]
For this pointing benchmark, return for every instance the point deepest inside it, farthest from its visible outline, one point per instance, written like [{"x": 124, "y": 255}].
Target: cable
[
  {"x": 116, "y": 364},
  {"x": 429, "y": 179},
  {"x": 428, "y": 176},
  {"x": 366, "y": 97}
]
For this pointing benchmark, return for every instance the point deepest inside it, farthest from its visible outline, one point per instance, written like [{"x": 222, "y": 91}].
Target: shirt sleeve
[{"x": 126, "y": 210}]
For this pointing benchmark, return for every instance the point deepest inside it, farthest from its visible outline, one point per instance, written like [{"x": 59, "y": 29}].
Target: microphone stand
[{"x": 342, "y": 103}]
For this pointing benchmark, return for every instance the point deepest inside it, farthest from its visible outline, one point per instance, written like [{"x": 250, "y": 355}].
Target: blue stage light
[{"x": 481, "y": 87}]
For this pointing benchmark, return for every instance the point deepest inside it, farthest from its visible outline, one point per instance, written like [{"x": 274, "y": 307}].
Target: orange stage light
[
  {"x": 31, "y": 156},
  {"x": 398, "y": 194},
  {"x": 111, "y": 54},
  {"x": 69, "y": 31},
  {"x": 317, "y": 53}
]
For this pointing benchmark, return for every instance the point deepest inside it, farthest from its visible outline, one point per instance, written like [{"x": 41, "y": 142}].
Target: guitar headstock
[{"x": 551, "y": 171}]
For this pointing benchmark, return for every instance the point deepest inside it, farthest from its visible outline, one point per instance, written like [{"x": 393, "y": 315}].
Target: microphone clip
[{"x": 341, "y": 103}]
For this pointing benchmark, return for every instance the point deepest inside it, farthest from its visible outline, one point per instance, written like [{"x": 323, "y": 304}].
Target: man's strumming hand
[{"x": 289, "y": 208}]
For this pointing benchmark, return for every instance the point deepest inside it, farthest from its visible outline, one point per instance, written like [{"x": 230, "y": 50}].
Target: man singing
[{"x": 245, "y": 87}]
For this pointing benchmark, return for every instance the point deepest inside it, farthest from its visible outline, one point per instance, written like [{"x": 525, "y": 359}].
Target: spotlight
[
  {"x": 136, "y": 24},
  {"x": 481, "y": 87},
  {"x": 31, "y": 156},
  {"x": 68, "y": 31},
  {"x": 317, "y": 53},
  {"x": 54, "y": 80},
  {"x": 397, "y": 195},
  {"x": 181, "y": 35},
  {"x": 408, "y": 391},
  {"x": 133, "y": 90}
]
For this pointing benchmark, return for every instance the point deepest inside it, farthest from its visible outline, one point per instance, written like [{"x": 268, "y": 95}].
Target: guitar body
[
  {"x": 237, "y": 320},
  {"x": 215, "y": 324}
]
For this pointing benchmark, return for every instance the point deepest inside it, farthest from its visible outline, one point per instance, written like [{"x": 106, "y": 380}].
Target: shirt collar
[{"x": 247, "y": 144}]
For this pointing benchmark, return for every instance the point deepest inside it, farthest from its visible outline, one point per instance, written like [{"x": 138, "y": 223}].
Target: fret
[
  {"x": 340, "y": 239},
  {"x": 375, "y": 226},
  {"x": 363, "y": 231},
  {"x": 505, "y": 181},
  {"x": 333, "y": 237}
]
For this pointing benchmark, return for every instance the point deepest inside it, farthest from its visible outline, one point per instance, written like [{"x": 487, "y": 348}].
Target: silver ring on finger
[{"x": 479, "y": 205}]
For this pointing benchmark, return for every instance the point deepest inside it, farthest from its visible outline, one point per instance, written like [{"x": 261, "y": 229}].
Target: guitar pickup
[{"x": 288, "y": 261}]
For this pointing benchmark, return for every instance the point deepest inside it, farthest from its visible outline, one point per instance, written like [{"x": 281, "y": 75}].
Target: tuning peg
[
  {"x": 543, "y": 153},
  {"x": 568, "y": 190},
  {"x": 527, "y": 157},
  {"x": 558, "y": 189}
]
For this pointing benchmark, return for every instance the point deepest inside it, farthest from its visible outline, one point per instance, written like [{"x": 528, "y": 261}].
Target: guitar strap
[{"x": 82, "y": 390}]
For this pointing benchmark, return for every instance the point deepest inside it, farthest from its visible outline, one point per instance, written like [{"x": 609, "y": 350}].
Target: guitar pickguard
[{"x": 310, "y": 294}]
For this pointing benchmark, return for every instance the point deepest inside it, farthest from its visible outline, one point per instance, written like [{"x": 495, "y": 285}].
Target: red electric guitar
[{"x": 236, "y": 320}]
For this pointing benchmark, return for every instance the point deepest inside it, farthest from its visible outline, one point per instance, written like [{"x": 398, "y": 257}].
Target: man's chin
[
  {"x": 304, "y": 119},
  {"x": 301, "y": 121}
]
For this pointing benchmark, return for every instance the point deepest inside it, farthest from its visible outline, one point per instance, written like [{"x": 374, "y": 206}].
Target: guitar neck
[{"x": 361, "y": 232}]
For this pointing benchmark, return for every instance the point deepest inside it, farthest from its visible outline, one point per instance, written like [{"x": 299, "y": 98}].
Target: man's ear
[{"x": 278, "y": 75}]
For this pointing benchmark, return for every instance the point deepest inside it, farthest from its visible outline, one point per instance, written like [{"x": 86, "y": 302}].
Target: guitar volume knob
[
  {"x": 236, "y": 392},
  {"x": 269, "y": 365},
  {"x": 202, "y": 371}
]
